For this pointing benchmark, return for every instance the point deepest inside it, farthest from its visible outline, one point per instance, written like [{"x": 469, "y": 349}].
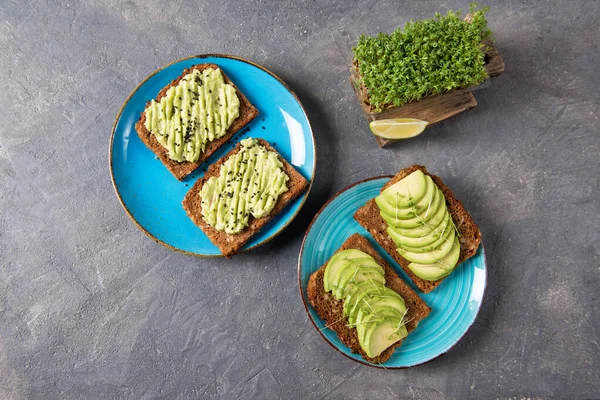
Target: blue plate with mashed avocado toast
[
  {"x": 154, "y": 162},
  {"x": 454, "y": 303}
]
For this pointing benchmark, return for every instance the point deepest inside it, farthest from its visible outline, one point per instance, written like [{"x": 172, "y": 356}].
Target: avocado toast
[
  {"x": 246, "y": 112},
  {"x": 430, "y": 243},
  {"x": 230, "y": 233},
  {"x": 347, "y": 323}
]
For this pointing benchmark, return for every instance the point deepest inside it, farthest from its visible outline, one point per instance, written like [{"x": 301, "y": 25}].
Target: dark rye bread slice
[
  {"x": 182, "y": 169},
  {"x": 331, "y": 309},
  {"x": 230, "y": 244},
  {"x": 470, "y": 237}
]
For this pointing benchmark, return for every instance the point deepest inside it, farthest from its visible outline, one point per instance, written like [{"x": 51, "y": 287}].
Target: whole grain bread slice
[
  {"x": 331, "y": 309},
  {"x": 470, "y": 237},
  {"x": 229, "y": 244},
  {"x": 182, "y": 169}
]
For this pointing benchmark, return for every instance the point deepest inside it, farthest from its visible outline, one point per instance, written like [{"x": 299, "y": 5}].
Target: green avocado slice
[
  {"x": 430, "y": 257},
  {"x": 361, "y": 298},
  {"x": 384, "y": 307},
  {"x": 368, "y": 262},
  {"x": 415, "y": 214},
  {"x": 382, "y": 304},
  {"x": 366, "y": 322},
  {"x": 337, "y": 262},
  {"x": 353, "y": 276},
  {"x": 380, "y": 336},
  {"x": 388, "y": 306},
  {"x": 427, "y": 240},
  {"x": 444, "y": 232},
  {"x": 407, "y": 191},
  {"x": 346, "y": 266},
  {"x": 447, "y": 236},
  {"x": 360, "y": 289},
  {"x": 390, "y": 211},
  {"x": 439, "y": 269},
  {"x": 440, "y": 215},
  {"x": 387, "y": 292},
  {"x": 363, "y": 320},
  {"x": 374, "y": 310}
]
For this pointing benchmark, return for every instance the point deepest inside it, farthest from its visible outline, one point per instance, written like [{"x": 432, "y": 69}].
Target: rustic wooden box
[{"x": 432, "y": 109}]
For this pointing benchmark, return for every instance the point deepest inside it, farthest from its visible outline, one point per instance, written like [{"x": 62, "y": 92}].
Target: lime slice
[{"x": 397, "y": 128}]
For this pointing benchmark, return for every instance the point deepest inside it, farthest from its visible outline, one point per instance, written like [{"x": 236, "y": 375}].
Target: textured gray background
[{"x": 92, "y": 308}]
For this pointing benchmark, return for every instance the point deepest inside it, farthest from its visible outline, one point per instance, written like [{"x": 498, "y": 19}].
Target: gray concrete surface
[{"x": 91, "y": 308}]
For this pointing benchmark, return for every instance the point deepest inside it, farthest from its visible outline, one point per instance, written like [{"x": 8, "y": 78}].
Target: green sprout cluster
[{"x": 424, "y": 58}]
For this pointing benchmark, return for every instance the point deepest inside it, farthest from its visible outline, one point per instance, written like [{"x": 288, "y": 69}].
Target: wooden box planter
[{"x": 432, "y": 109}]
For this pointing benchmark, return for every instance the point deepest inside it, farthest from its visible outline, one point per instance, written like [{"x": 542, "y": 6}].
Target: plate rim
[
  {"x": 304, "y": 301},
  {"x": 209, "y": 55}
]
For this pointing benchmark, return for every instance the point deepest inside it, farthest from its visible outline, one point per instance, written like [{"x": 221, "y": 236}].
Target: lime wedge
[{"x": 397, "y": 128}]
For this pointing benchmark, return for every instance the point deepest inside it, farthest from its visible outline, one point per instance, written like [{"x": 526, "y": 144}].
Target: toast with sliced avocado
[
  {"x": 241, "y": 193},
  {"x": 192, "y": 117},
  {"x": 420, "y": 223},
  {"x": 363, "y": 300}
]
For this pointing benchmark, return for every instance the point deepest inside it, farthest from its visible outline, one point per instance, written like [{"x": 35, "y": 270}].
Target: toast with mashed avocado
[
  {"x": 420, "y": 223},
  {"x": 363, "y": 300},
  {"x": 241, "y": 193},
  {"x": 192, "y": 117}
]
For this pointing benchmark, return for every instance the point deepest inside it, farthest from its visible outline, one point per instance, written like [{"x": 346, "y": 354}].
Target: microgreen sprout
[{"x": 423, "y": 58}]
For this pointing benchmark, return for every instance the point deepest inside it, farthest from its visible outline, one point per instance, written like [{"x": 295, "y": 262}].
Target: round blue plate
[
  {"x": 454, "y": 303},
  {"x": 152, "y": 196}
]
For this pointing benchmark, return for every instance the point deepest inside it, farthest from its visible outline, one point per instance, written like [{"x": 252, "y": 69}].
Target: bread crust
[
  {"x": 229, "y": 244},
  {"x": 470, "y": 237},
  {"x": 331, "y": 309},
  {"x": 182, "y": 169}
]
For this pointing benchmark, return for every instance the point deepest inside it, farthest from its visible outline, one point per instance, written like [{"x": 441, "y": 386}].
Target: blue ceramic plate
[
  {"x": 152, "y": 196},
  {"x": 454, "y": 304}
]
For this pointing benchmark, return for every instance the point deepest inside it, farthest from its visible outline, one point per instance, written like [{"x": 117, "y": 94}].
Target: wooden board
[{"x": 432, "y": 109}]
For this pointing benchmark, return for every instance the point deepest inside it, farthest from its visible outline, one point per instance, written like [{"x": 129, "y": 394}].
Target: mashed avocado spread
[
  {"x": 249, "y": 183},
  {"x": 197, "y": 110}
]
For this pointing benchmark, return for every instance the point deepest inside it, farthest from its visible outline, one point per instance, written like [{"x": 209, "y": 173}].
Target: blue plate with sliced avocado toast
[
  {"x": 152, "y": 196},
  {"x": 454, "y": 303}
]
